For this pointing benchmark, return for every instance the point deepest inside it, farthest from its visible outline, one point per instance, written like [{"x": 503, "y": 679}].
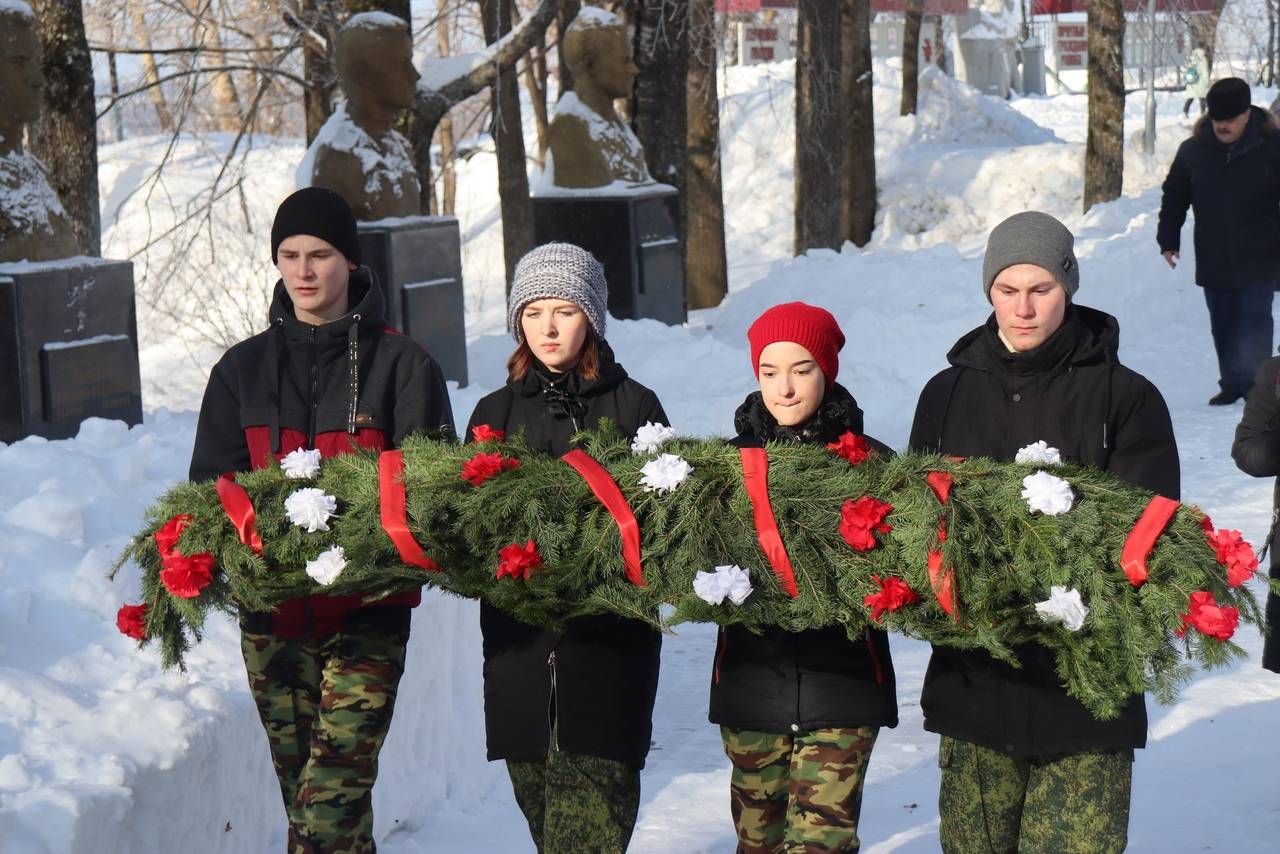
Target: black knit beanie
[
  {"x": 1228, "y": 98},
  {"x": 320, "y": 213}
]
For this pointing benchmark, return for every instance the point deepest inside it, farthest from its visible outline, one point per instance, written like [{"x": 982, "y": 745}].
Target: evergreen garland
[{"x": 1004, "y": 557}]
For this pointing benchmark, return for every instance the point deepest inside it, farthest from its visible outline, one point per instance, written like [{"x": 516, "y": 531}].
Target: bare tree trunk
[
  {"x": 1271, "y": 43},
  {"x": 1104, "y": 145},
  {"x": 819, "y": 154},
  {"x": 448, "y": 175},
  {"x": 226, "y": 100},
  {"x": 939, "y": 43},
  {"x": 513, "y": 176},
  {"x": 65, "y": 136},
  {"x": 1204, "y": 29},
  {"x": 706, "y": 267},
  {"x": 317, "y": 68},
  {"x": 659, "y": 109},
  {"x": 568, "y": 11},
  {"x": 911, "y": 57},
  {"x": 117, "y": 120},
  {"x": 858, "y": 175},
  {"x": 535, "y": 81},
  {"x": 150, "y": 73}
]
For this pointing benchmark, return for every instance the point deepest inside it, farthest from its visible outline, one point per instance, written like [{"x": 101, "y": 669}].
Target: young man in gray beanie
[
  {"x": 1025, "y": 767},
  {"x": 1228, "y": 172}
]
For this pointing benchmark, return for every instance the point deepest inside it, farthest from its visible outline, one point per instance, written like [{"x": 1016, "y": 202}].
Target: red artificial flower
[
  {"x": 894, "y": 593},
  {"x": 185, "y": 577},
  {"x": 484, "y": 466},
  {"x": 517, "y": 561},
  {"x": 131, "y": 620},
  {"x": 167, "y": 536},
  {"x": 485, "y": 433},
  {"x": 940, "y": 482},
  {"x": 1235, "y": 554},
  {"x": 861, "y": 519},
  {"x": 1207, "y": 617},
  {"x": 1207, "y": 524},
  {"x": 852, "y": 447}
]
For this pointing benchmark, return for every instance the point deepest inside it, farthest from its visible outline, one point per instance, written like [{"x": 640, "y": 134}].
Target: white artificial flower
[
  {"x": 739, "y": 583},
  {"x": 1063, "y": 606},
  {"x": 326, "y": 568},
  {"x": 301, "y": 464},
  {"x": 650, "y": 437},
  {"x": 1050, "y": 495},
  {"x": 1039, "y": 453},
  {"x": 664, "y": 473},
  {"x": 724, "y": 581},
  {"x": 310, "y": 508},
  {"x": 711, "y": 587}
]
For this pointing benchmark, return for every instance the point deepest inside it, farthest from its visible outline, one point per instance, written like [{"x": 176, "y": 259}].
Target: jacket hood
[
  {"x": 838, "y": 413},
  {"x": 1265, "y": 121},
  {"x": 1087, "y": 337},
  {"x": 364, "y": 307}
]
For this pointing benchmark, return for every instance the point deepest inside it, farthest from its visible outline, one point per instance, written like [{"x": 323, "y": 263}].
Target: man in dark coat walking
[
  {"x": 1256, "y": 451},
  {"x": 1228, "y": 172},
  {"x": 1025, "y": 766}
]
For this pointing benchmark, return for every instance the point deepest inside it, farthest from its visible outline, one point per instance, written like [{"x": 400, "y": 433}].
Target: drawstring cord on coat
[
  {"x": 273, "y": 379},
  {"x": 353, "y": 373}
]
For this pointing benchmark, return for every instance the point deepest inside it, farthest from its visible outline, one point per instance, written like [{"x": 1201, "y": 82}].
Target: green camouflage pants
[
  {"x": 326, "y": 704},
  {"x": 797, "y": 793},
  {"x": 992, "y": 803},
  {"x": 576, "y": 803}
]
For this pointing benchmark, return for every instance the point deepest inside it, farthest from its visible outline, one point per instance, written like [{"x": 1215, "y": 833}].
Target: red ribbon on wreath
[
  {"x": 606, "y": 491},
  {"x": 755, "y": 479},
  {"x": 943, "y": 581},
  {"x": 239, "y": 509},
  {"x": 393, "y": 513},
  {"x": 1142, "y": 539}
]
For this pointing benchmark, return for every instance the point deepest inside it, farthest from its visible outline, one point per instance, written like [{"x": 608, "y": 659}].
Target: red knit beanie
[{"x": 811, "y": 327}]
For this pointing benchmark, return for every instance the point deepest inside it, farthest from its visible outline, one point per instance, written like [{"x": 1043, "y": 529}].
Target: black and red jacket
[
  {"x": 788, "y": 682},
  {"x": 346, "y": 385}
]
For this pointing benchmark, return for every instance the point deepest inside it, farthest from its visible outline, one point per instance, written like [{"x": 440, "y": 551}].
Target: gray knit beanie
[
  {"x": 559, "y": 271},
  {"x": 1032, "y": 237}
]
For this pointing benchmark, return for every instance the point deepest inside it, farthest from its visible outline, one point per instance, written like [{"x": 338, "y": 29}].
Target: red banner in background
[{"x": 931, "y": 7}]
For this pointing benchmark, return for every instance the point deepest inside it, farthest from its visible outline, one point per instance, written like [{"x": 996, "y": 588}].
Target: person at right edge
[
  {"x": 1228, "y": 173},
  {"x": 1256, "y": 451},
  {"x": 1025, "y": 767}
]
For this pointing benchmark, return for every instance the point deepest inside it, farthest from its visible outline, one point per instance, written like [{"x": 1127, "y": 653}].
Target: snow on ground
[{"x": 100, "y": 751}]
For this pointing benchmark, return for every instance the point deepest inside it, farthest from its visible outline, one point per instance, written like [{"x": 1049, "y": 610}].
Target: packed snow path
[{"x": 100, "y": 751}]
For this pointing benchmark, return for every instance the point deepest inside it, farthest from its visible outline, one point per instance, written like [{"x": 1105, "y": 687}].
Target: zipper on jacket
[
  {"x": 552, "y": 717},
  {"x": 315, "y": 384},
  {"x": 723, "y": 648}
]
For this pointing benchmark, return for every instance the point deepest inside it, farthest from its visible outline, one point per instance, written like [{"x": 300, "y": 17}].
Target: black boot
[{"x": 1225, "y": 398}]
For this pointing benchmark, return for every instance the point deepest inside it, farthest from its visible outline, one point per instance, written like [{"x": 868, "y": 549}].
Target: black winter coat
[
  {"x": 291, "y": 387},
  {"x": 597, "y": 679},
  {"x": 1235, "y": 193},
  {"x": 1256, "y": 451},
  {"x": 780, "y": 681},
  {"x": 1074, "y": 394}
]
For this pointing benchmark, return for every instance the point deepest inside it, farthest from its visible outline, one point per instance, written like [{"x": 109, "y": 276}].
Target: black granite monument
[
  {"x": 636, "y": 236},
  {"x": 418, "y": 262},
  {"x": 68, "y": 346}
]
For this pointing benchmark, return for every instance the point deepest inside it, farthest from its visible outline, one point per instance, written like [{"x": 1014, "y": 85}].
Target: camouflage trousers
[
  {"x": 577, "y": 803},
  {"x": 326, "y": 704},
  {"x": 797, "y": 793},
  {"x": 1073, "y": 803}
]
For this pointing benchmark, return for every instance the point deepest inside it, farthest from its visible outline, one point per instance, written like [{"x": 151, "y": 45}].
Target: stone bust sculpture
[
  {"x": 590, "y": 145},
  {"x": 33, "y": 224},
  {"x": 356, "y": 152}
]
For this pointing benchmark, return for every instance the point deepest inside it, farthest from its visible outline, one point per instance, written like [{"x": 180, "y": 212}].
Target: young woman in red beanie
[{"x": 799, "y": 711}]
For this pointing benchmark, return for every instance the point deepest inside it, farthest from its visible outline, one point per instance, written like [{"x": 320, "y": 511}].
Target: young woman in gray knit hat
[{"x": 570, "y": 712}]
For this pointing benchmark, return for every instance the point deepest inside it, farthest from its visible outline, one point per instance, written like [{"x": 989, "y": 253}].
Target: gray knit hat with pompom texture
[{"x": 559, "y": 271}]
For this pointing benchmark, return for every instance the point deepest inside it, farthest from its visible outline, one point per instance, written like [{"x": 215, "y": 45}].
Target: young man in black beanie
[
  {"x": 327, "y": 378},
  {"x": 1025, "y": 766},
  {"x": 1228, "y": 172}
]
